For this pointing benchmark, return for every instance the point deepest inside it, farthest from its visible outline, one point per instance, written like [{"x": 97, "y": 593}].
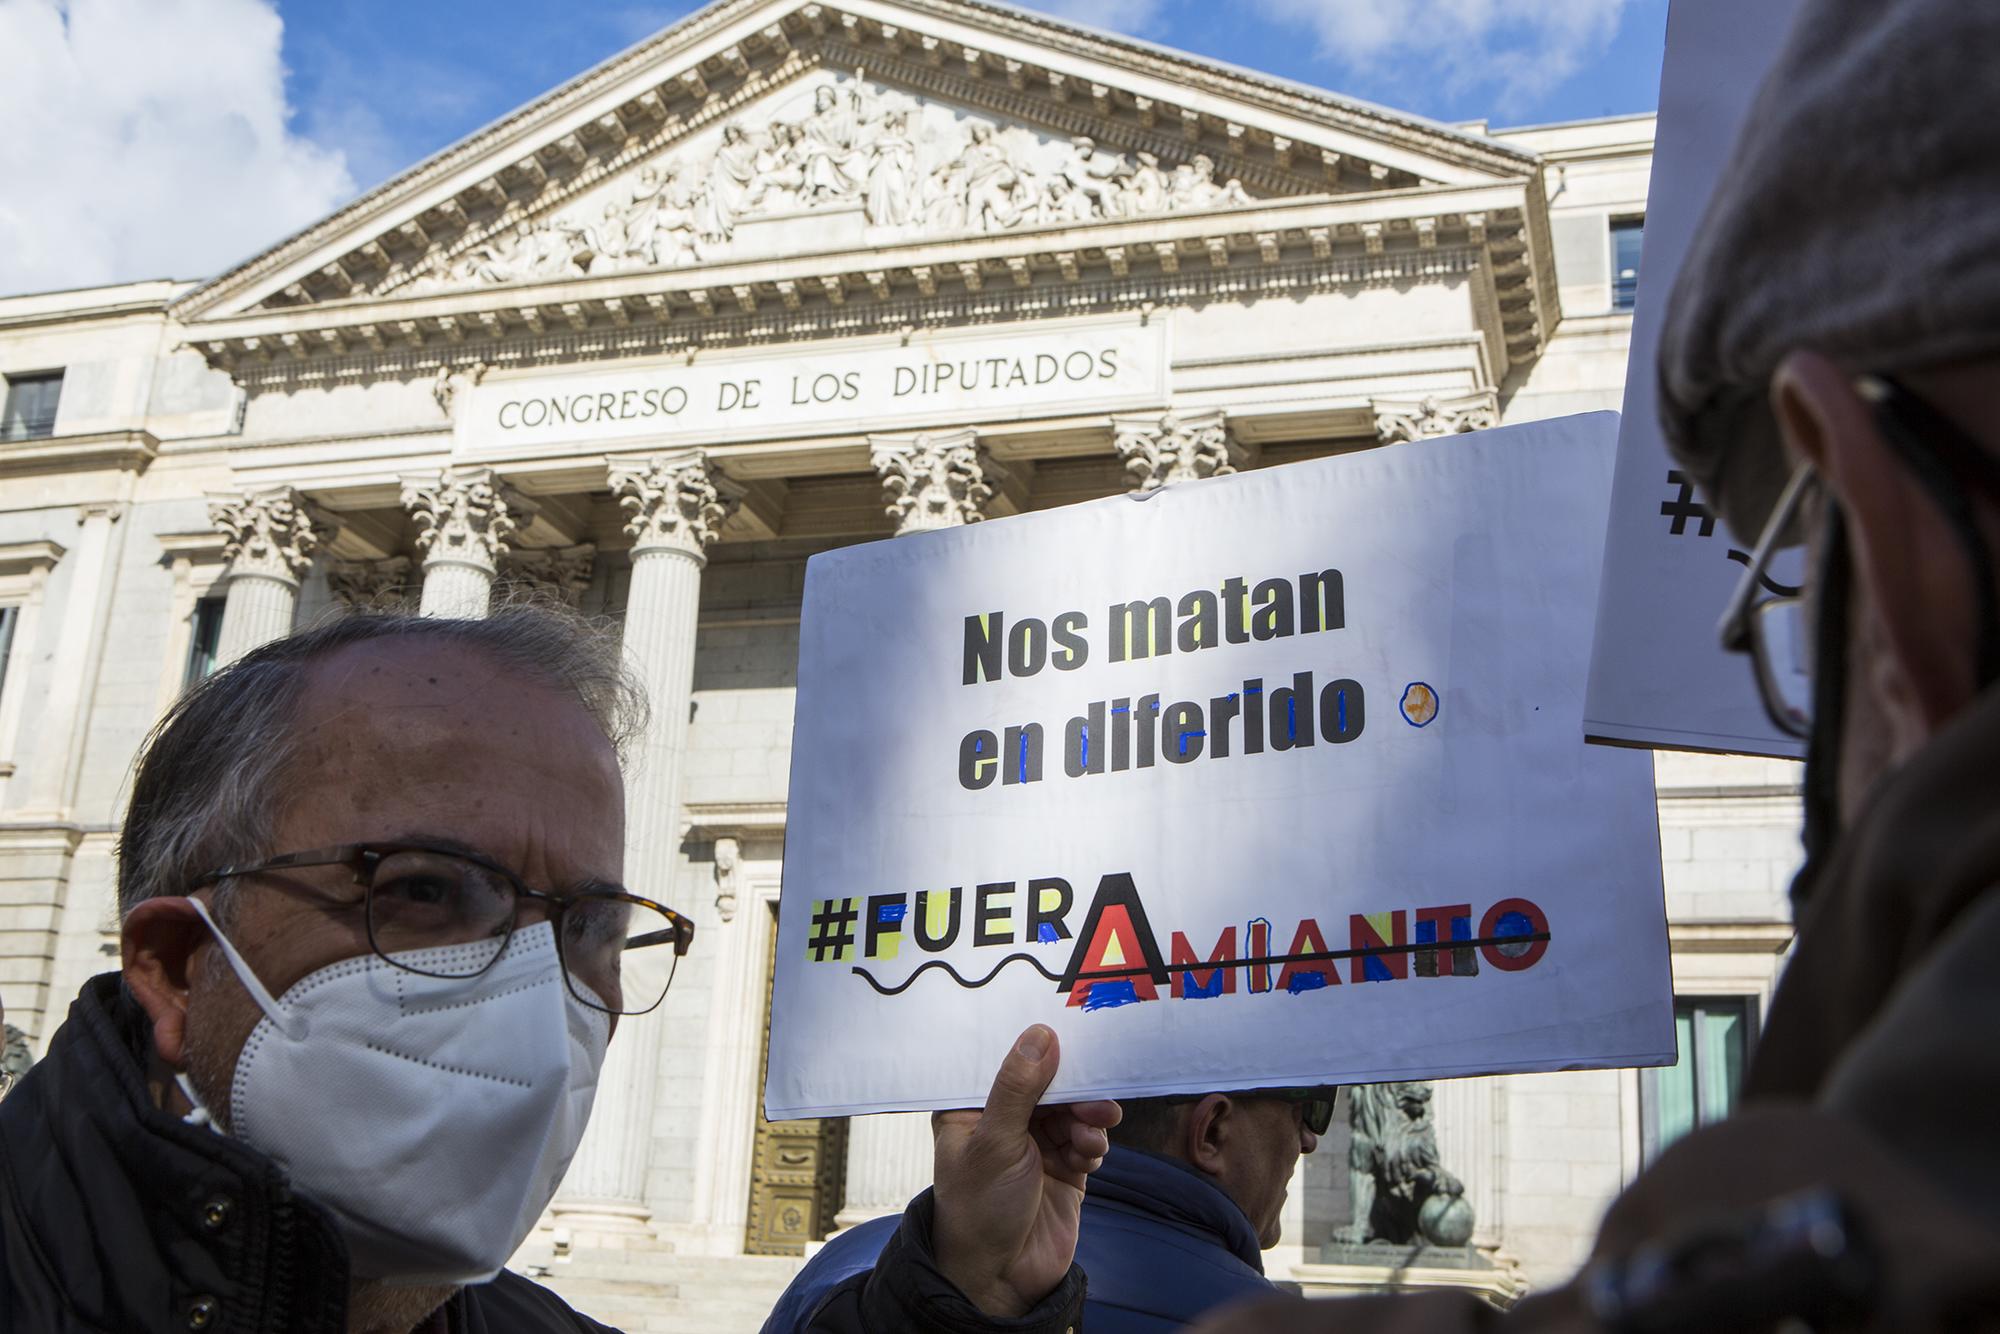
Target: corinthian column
[
  {"x": 465, "y": 518},
  {"x": 889, "y": 1160},
  {"x": 270, "y": 539},
  {"x": 1400, "y": 420},
  {"x": 1157, "y": 450},
  {"x": 935, "y": 479},
  {"x": 675, "y": 506},
  {"x": 369, "y": 583}
]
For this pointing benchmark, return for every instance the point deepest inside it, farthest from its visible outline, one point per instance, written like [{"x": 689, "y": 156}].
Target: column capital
[
  {"x": 561, "y": 572},
  {"x": 1398, "y": 420},
  {"x": 368, "y": 583},
  {"x": 935, "y": 479},
  {"x": 465, "y": 516},
  {"x": 1176, "y": 447},
  {"x": 270, "y": 533},
  {"x": 675, "y": 502}
]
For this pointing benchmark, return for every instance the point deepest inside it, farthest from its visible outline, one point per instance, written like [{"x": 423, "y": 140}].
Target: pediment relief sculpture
[{"x": 847, "y": 162}]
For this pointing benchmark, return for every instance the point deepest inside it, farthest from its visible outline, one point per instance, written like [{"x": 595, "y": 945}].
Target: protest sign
[
  {"x": 1266, "y": 779},
  {"x": 1658, "y": 675}
]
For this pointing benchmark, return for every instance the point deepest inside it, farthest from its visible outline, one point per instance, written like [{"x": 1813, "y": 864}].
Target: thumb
[{"x": 1025, "y": 1075}]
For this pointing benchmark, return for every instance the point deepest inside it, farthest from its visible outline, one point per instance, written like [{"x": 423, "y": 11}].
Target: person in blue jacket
[{"x": 1175, "y": 1222}]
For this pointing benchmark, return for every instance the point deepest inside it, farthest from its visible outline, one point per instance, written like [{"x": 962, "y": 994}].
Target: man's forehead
[
  {"x": 403, "y": 664},
  {"x": 424, "y": 683}
]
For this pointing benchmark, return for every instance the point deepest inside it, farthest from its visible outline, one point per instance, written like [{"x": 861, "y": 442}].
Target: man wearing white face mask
[{"x": 375, "y": 945}]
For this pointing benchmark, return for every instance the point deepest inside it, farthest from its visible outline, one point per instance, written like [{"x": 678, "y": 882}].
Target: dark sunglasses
[{"x": 1315, "y": 1104}]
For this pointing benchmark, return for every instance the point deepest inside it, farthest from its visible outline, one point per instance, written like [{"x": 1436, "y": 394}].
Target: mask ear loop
[
  {"x": 200, "y": 1116},
  {"x": 286, "y": 1023}
]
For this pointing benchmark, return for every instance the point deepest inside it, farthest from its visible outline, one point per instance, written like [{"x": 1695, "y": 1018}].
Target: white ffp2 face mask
[{"x": 433, "y": 1116}]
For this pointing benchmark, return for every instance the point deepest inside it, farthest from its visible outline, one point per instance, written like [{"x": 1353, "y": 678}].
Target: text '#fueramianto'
[{"x": 1140, "y": 730}]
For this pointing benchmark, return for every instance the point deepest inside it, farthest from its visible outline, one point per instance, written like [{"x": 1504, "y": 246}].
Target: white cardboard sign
[
  {"x": 1267, "y": 779},
  {"x": 1658, "y": 676}
]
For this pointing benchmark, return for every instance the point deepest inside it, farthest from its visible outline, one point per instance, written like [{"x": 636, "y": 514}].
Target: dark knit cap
[{"x": 1859, "y": 217}]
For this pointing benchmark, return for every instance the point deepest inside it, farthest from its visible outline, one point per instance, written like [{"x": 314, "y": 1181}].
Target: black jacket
[{"x": 118, "y": 1218}]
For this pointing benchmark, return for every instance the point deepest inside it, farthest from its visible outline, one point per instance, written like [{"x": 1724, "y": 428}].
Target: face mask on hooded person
[{"x": 382, "y": 1092}]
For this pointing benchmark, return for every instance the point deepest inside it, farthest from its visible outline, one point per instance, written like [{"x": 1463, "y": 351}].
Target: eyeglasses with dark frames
[
  {"x": 418, "y": 896},
  {"x": 1768, "y": 620}
]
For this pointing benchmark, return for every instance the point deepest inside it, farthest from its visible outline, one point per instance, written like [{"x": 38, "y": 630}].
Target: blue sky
[
  {"x": 175, "y": 138},
  {"x": 388, "y": 81}
]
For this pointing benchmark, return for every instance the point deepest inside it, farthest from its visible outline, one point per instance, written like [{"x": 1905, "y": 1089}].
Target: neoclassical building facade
[{"x": 788, "y": 276}]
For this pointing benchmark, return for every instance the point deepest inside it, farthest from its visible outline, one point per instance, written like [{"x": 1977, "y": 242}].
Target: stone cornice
[
  {"x": 1237, "y": 83},
  {"x": 1730, "y": 937},
  {"x": 198, "y": 545},
  {"x": 651, "y": 94},
  {"x": 72, "y": 315},
  {"x": 119, "y": 451},
  {"x": 1346, "y": 239},
  {"x": 25, "y": 557},
  {"x": 744, "y": 820}
]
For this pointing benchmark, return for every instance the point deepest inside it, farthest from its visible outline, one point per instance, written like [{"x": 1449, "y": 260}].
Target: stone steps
[{"x": 643, "y": 1291}]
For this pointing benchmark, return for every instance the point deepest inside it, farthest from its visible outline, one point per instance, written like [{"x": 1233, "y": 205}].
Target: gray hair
[
  {"x": 204, "y": 793},
  {"x": 1152, "y": 1124}
]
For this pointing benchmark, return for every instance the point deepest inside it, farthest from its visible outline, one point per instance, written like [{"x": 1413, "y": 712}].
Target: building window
[
  {"x": 1713, "y": 1035},
  {"x": 204, "y": 633},
  {"x": 30, "y": 411},
  {"x": 1628, "y": 235},
  {"x": 9, "y": 618}
]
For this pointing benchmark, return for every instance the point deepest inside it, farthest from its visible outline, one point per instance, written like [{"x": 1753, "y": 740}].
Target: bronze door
[{"x": 798, "y": 1169}]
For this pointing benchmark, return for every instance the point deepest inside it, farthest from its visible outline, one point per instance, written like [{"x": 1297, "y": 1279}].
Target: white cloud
[
  {"x": 1517, "y": 49},
  {"x": 148, "y": 138}
]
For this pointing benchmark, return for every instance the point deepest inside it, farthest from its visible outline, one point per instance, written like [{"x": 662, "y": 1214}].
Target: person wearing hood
[{"x": 1830, "y": 375}]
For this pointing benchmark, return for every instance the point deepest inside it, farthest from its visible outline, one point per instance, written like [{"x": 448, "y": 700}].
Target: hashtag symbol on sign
[
  {"x": 1684, "y": 507},
  {"x": 832, "y": 929}
]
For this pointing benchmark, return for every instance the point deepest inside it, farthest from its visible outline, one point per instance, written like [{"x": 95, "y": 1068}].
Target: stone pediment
[
  {"x": 771, "y": 127},
  {"x": 834, "y": 162}
]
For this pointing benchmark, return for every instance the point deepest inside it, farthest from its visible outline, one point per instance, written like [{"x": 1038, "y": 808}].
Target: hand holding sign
[{"x": 1010, "y": 1181}]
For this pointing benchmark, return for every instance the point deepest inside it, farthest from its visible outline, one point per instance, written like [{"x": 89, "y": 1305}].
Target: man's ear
[
  {"x": 1907, "y": 559},
  {"x": 1206, "y": 1133},
  {"x": 159, "y": 939}
]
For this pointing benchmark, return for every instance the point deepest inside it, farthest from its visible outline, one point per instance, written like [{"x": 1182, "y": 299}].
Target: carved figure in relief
[
  {"x": 620, "y": 239},
  {"x": 1097, "y": 176},
  {"x": 732, "y": 175},
  {"x": 1194, "y": 186},
  {"x": 781, "y": 169},
  {"x": 956, "y": 175},
  {"x": 675, "y": 235},
  {"x": 531, "y": 251},
  {"x": 834, "y": 166},
  {"x": 1062, "y": 202},
  {"x": 892, "y": 174},
  {"x": 610, "y": 242},
  {"x": 986, "y": 177},
  {"x": 1146, "y": 188}
]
